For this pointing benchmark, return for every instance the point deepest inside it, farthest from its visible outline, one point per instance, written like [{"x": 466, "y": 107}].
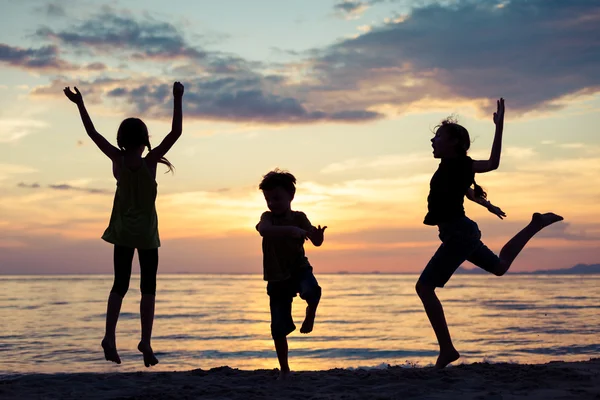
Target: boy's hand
[
  {"x": 177, "y": 89},
  {"x": 499, "y": 114},
  {"x": 496, "y": 211},
  {"x": 76, "y": 97},
  {"x": 316, "y": 234}
]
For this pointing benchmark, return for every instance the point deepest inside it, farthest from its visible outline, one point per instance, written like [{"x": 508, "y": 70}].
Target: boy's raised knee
[{"x": 314, "y": 296}]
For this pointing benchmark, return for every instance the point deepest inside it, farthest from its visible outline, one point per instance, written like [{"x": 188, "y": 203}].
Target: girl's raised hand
[
  {"x": 499, "y": 114},
  {"x": 177, "y": 89},
  {"x": 496, "y": 211},
  {"x": 76, "y": 97}
]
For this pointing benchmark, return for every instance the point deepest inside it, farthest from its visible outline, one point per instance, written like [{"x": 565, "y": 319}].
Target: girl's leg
[
  {"x": 511, "y": 250},
  {"x": 123, "y": 257},
  {"x": 148, "y": 270},
  {"x": 435, "y": 313}
]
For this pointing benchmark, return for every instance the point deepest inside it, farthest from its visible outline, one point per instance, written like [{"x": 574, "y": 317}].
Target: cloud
[
  {"x": 248, "y": 97},
  {"x": 7, "y": 170},
  {"x": 106, "y": 32},
  {"x": 534, "y": 53},
  {"x": 351, "y": 9},
  {"x": 80, "y": 189},
  {"x": 28, "y": 185},
  {"x": 531, "y": 52},
  {"x": 43, "y": 58},
  {"x": 52, "y": 10},
  {"x": 65, "y": 187},
  {"x": 11, "y": 130}
]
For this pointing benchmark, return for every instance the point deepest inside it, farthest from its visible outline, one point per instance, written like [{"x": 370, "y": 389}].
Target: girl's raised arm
[
  {"x": 176, "y": 127},
  {"x": 481, "y": 166},
  {"x": 104, "y": 145}
]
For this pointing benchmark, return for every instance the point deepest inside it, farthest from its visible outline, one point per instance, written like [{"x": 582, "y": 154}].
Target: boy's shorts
[
  {"x": 461, "y": 241},
  {"x": 282, "y": 293}
]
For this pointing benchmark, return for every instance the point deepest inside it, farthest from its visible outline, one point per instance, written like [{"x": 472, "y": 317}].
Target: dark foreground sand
[{"x": 556, "y": 380}]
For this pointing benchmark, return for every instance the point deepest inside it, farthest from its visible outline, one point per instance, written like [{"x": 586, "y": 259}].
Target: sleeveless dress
[{"x": 133, "y": 221}]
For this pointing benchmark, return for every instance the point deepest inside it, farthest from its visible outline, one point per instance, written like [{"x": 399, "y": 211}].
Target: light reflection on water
[{"x": 55, "y": 323}]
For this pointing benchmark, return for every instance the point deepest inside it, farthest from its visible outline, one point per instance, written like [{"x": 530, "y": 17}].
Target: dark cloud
[
  {"x": 28, "y": 185},
  {"x": 107, "y": 32},
  {"x": 65, "y": 187},
  {"x": 43, "y": 58},
  {"x": 354, "y": 8},
  {"x": 52, "y": 10},
  {"x": 529, "y": 51},
  {"x": 80, "y": 189},
  {"x": 349, "y": 6},
  {"x": 247, "y": 99}
]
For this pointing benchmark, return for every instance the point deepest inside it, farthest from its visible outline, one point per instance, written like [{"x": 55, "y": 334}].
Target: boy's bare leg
[
  {"x": 281, "y": 346},
  {"x": 309, "y": 319}
]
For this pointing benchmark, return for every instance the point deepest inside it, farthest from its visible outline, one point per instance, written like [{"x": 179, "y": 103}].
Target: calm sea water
[{"x": 55, "y": 323}]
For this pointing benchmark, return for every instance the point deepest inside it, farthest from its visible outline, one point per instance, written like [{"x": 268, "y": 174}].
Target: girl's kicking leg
[{"x": 511, "y": 250}]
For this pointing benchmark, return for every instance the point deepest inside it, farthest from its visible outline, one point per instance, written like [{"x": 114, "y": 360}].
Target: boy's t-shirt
[{"x": 282, "y": 256}]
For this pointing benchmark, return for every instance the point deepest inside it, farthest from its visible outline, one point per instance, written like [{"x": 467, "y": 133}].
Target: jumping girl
[
  {"x": 133, "y": 222},
  {"x": 460, "y": 236}
]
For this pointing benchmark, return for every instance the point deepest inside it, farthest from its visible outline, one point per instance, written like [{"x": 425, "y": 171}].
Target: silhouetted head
[
  {"x": 133, "y": 135},
  {"x": 279, "y": 188},
  {"x": 450, "y": 140}
]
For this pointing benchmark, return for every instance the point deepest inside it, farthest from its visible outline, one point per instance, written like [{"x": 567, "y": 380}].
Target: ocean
[{"x": 54, "y": 324}]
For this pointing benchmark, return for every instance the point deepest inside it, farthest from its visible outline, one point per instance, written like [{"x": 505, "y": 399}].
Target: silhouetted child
[
  {"x": 461, "y": 238},
  {"x": 285, "y": 265},
  {"x": 133, "y": 222}
]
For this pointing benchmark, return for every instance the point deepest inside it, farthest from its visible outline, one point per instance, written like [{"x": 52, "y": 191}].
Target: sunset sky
[{"x": 343, "y": 94}]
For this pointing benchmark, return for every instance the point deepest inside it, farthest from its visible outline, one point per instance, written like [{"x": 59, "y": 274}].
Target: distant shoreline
[{"x": 579, "y": 269}]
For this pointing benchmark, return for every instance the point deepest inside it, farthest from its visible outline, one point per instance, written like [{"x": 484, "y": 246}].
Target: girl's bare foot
[
  {"x": 149, "y": 357},
  {"x": 309, "y": 320},
  {"x": 110, "y": 351},
  {"x": 446, "y": 358},
  {"x": 284, "y": 375},
  {"x": 543, "y": 220}
]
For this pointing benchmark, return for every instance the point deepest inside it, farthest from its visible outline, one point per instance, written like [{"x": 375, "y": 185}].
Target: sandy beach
[{"x": 555, "y": 380}]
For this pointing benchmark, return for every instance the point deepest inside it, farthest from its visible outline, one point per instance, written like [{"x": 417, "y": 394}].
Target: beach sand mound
[{"x": 555, "y": 380}]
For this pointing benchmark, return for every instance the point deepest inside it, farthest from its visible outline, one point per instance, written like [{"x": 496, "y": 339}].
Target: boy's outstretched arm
[
  {"x": 266, "y": 229},
  {"x": 104, "y": 145},
  {"x": 494, "y": 160},
  {"x": 483, "y": 202},
  {"x": 176, "y": 126}
]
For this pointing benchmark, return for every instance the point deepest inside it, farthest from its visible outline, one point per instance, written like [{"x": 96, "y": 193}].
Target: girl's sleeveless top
[{"x": 133, "y": 221}]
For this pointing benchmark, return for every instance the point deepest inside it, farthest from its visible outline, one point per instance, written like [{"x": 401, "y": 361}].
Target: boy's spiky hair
[{"x": 279, "y": 178}]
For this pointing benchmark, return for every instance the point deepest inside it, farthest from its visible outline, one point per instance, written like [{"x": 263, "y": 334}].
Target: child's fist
[{"x": 177, "y": 89}]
